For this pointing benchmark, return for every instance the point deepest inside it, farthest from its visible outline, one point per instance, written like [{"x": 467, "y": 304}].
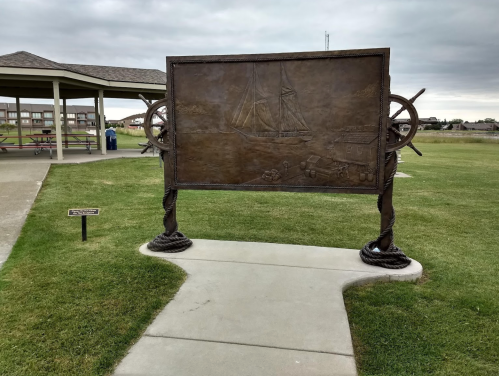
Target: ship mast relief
[{"x": 253, "y": 118}]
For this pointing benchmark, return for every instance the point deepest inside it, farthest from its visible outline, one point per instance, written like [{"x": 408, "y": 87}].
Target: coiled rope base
[
  {"x": 392, "y": 257},
  {"x": 169, "y": 242},
  {"x": 173, "y": 243}
]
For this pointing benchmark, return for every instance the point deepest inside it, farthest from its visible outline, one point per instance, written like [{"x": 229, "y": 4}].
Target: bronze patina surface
[{"x": 308, "y": 122}]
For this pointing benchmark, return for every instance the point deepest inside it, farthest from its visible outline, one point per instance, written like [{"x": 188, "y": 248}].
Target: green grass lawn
[
  {"x": 68, "y": 307},
  {"x": 448, "y": 324},
  {"x": 129, "y": 142}
]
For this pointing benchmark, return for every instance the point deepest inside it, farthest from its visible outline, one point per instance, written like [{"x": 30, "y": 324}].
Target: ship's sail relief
[{"x": 253, "y": 118}]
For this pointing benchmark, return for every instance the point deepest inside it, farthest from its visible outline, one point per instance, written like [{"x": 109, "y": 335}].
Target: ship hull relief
[{"x": 296, "y": 122}]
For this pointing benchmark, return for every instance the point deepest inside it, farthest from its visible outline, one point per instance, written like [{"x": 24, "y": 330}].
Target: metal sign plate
[
  {"x": 82, "y": 212},
  {"x": 307, "y": 122}
]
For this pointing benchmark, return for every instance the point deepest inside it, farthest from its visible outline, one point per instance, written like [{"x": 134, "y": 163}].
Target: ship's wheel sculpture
[{"x": 401, "y": 139}]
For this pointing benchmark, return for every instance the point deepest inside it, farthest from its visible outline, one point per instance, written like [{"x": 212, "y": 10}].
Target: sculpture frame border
[{"x": 171, "y": 167}]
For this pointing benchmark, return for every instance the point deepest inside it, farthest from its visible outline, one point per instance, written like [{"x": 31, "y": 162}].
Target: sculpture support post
[
  {"x": 172, "y": 240},
  {"x": 387, "y": 197},
  {"x": 382, "y": 251},
  {"x": 170, "y": 201}
]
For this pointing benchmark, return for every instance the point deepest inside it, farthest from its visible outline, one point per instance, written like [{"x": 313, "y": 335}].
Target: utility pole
[{"x": 326, "y": 40}]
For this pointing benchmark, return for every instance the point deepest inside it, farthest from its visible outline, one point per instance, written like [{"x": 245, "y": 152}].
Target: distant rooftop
[{"x": 23, "y": 59}]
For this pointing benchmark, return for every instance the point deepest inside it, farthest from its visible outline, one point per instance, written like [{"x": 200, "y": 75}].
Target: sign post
[{"x": 83, "y": 214}]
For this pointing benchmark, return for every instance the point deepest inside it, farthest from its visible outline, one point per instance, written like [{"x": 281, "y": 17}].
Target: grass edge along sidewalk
[{"x": 75, "y": 309}]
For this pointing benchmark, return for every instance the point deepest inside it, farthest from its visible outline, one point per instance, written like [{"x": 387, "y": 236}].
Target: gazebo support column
[
  {"x": 102, "y": 122},
  {"x": 65, "y": 118},
  {"x": 97, "y": 133},
  {"x": 57, "y": 118},
  {"x": 19, "y": 131}
]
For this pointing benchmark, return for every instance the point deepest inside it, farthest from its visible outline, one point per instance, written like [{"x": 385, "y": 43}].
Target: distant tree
[
  {"x": 480, "y": 121},
  {"x": 450, "y": 127},
  {"x": 8, "y": 127},
  {"x": 456, "y": 121},
  {"x": 489, "y": 120},
  {"x": 466, "y": 122}
]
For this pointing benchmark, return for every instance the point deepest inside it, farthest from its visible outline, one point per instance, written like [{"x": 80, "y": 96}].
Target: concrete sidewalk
[
  {"x": 256, "y": 309},
  {"x": 19, "y": 186}
]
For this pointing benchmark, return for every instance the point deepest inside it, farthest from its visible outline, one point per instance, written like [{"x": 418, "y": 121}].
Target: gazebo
[{"x": 24, "y": 75}]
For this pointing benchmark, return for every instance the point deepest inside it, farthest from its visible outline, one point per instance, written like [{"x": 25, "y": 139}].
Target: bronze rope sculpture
[{"x": 282, "y": 122}]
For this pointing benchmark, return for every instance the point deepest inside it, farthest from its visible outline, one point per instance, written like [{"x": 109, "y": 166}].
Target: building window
[
  {"x": 25, "y": 114},
  {"x": 82, "y": 122},
  {"x": 81, "y": 116},
  {"x": 36, "y": 115},
  {"x": 49, "y": 122},
  {"x": 12, "y": 114},
  {"x": 25, "y": 121},
  {"x": 37, "y": 121},
  {"x": 71, "y": 116},
  {"x": 48, "y": 115},
  {"x": 2, "y": 113},
  {"x": 90, "y": 116},
  {"x": 71, "y": 121}
]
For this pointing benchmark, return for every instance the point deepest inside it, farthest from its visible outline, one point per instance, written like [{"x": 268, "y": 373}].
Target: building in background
[
  {"x": 476, "y": 127},
  {"x": 41, "y": 116}
]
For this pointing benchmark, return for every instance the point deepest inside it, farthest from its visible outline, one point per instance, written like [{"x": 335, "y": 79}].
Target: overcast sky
[{"x": 450, "y": 47}]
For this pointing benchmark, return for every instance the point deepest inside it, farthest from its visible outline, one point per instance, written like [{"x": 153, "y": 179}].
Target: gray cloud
[{"x": 449, "y": 46}]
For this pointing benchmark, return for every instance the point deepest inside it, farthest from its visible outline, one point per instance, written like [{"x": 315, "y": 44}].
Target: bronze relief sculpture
[{"x": 299, "y": 122}]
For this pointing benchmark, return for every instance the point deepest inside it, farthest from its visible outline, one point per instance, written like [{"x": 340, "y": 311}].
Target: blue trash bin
[{"x": 111, "y": 142}]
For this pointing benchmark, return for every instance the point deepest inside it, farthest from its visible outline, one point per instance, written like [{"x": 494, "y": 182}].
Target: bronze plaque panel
[{"x": 308, "y": 122}]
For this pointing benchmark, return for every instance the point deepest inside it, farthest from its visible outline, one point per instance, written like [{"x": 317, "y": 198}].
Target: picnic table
[{"x": 41, "y": 142}]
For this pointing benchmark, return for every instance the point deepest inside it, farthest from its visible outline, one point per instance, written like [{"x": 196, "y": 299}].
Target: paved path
[
  {"x": 19, "y": 185},
  {"x": 256, "y": 309}
]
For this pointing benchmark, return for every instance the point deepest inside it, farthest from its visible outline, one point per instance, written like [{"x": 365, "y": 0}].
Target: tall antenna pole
[{"x": 326, "y": 40}]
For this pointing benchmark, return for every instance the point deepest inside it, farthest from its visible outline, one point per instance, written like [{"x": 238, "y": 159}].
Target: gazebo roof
[
  {"x": 23, "y": 59},
  {"x": 77, "y": 81}
]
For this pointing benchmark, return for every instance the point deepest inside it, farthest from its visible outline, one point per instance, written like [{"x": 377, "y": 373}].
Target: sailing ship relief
[{"x": 253, "y": 118}]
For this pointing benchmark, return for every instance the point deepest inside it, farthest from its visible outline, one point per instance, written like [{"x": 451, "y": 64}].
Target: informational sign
[
  {"x": 308, "y": 122},
  {"x": 82, "y": 212}
]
